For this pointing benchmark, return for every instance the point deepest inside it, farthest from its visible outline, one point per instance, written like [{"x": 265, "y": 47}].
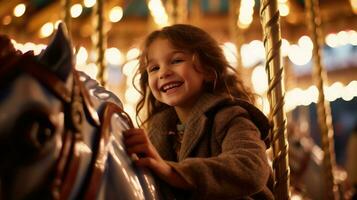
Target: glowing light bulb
[{"x": 19, "y": 10}]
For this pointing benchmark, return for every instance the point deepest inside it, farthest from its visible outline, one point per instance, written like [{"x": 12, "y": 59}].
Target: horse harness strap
[
  {"x": 67, "y": 164},
  {"x": 103, "y": 138},
  {"x": 76, "y": 103},
  {"x": 98, "y": 160}
]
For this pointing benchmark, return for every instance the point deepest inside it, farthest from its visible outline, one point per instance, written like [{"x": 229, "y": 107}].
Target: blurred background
[{"x": 234, "y": 24}]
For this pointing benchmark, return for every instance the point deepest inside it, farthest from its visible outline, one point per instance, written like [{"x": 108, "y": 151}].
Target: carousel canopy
[{"x": 126, "y": 22}]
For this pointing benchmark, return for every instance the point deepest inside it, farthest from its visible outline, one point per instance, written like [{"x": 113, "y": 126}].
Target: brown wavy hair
[{"x": 207, "y": 52}]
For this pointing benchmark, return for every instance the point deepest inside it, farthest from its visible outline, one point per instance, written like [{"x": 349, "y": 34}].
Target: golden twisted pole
[
  {"x": 237, "y": 33},
  {"x": 272, "y": 41},
  {"x": 99, "y": 40},
  {"x": 177, "y": 10},
  {"x": 172, "y": 11},
  {"x": 196, "y": 13},
  {"x": 323, "y": 107},
  {"x": 66, "y": 15}
]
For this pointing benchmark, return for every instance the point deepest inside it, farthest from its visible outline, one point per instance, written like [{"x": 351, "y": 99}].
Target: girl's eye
[
  {"x": 153, "y": 68},
  {"x": 175, "y": 61}
]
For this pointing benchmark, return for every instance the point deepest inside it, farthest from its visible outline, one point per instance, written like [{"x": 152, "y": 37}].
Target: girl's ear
[
  {"x": 209, "y": 72},
  {"x": 211, "y": 78},
  {"x": 211, "y": 75}
]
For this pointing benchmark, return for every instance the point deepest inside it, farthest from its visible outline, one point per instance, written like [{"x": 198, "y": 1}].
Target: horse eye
[
  {"x": 40, "y": 131},
  {"x": 34, "y": 130}
]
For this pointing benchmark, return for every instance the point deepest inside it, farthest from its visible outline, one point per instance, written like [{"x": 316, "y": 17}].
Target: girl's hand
[{"x": 137, "y": 142}]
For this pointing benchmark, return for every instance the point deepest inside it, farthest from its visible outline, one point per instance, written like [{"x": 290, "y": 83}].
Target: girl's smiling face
[{"x": 174, "y": 79}]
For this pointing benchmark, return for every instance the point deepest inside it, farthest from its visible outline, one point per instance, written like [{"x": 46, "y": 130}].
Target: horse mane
[{"x": 7, "y": 49}]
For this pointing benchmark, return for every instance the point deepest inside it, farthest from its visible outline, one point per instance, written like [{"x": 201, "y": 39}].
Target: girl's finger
[
  {"x": 140, "y": 149},
  {"x": 158, "y": 167},
  {"x": 145, "y": 162},
  {"x": 133, "y": 131},
  {"x": 134, "y": 140}
]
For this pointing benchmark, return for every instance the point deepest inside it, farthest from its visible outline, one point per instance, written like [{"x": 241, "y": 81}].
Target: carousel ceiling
[
  {"x": 126, "y": 22},
  {"x": 212, "y": 15}
]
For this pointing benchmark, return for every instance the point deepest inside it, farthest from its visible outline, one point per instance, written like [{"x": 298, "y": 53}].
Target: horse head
[{"x": 60, "y": 132}]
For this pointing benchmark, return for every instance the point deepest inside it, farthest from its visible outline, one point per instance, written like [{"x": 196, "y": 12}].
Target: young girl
[{"x": 203, "y": 136}]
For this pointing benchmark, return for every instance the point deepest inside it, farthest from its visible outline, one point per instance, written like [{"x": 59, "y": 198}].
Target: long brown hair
[{"x": 208, "y": 53}]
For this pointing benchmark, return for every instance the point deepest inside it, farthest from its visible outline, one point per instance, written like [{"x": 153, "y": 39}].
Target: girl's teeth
[{"x": 170, "y": 86}]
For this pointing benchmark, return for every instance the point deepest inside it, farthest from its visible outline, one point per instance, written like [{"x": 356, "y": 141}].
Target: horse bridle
[{"x": 74, "y": 101}]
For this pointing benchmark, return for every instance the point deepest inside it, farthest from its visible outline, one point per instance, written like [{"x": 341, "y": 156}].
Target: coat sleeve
[{"x": 240, "y": 170}]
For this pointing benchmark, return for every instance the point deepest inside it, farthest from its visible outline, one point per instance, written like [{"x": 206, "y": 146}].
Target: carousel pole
[
  {"x": 237, "y": 33},
  {"x": 323, "y": 107},
  {"x": 98, "y": 40},
  {"x": 172, "y": 11},
  {"x": 196, "y": 13},
  {"x": 272, "y": 41},
  {"x": 66, "y": 15},
  {"x": 177, "y": 10}
]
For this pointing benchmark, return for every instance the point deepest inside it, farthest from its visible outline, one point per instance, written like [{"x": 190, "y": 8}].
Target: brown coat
[{"x": 226, "y": 162}]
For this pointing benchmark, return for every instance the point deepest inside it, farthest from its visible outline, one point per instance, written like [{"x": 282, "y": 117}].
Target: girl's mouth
[{"x": 170, "y": 85}]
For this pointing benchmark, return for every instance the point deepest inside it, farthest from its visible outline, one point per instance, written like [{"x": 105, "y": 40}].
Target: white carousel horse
[{"x": 60, "y": 132}]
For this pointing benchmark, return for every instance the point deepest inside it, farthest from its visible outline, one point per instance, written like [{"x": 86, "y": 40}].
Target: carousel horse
[
  {"x": 60, "y": 132},
  {"x": 306, "y": 167}
]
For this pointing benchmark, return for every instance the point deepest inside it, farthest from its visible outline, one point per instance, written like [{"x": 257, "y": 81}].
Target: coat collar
[
  {"x": 197, "y": 123},
  {"x": 165, "y": 122}
]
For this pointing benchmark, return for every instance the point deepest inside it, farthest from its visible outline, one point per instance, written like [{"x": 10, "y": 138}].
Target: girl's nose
[{"x": 165, "y": 73}]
